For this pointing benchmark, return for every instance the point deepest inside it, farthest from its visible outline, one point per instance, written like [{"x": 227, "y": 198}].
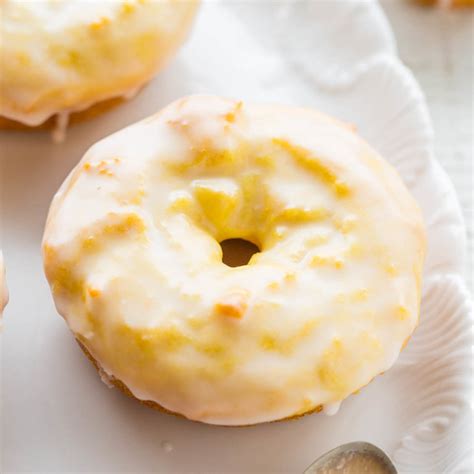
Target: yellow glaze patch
[
  {"x": 338, "y": 366},
  {"x": 181, "y": 201},
  {"x": 231, "y": 115},
  {"x": 332, "y": 371},
  {"x": 128, "y": 8},
  {"x": 99, "y": 24},
  {"x": 137, "y": 198},
  {"x": 302, "y": 215},
  {"x": 402, "y": 312},
  {"x": 90, "y": 243},
  {"x": 130, "y": 223},
  {"x": 391, "y": 269},
  {"x": 319, "y": 261},
  {"x": 317, "y": 239},
  {"x": 150, "y": 341},
  {"x": 353, "y": 297},
  {"x": 356, "y": 250},
  {"x": 207, "y": 158},
  {"x": 218, "y": 200},
  {"x": 286, "y": 345},
  {"x": 265, "y": 161},
  {"x": 103, "y": 167},
  {"x": 345, "y": 225},
  {"x": 70, "y": 58},
  {"x": 23, "y": 58},
  {"x": 64, "y": 280},
  {"x": 314, "y": 165}
]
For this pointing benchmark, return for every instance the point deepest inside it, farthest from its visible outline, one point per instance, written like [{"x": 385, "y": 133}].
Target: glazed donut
[
  {"x": 65, "y": 56},
  {"x": 131, "y": 251}
]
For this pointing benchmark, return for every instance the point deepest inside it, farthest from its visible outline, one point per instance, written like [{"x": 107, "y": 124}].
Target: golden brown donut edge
[{"x": 125, "y": 390}]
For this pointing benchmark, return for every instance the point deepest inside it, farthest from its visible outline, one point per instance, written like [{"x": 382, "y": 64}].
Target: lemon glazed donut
[
  {"x": 65, "y": 56},
  {"x": 131, "y": 251}
]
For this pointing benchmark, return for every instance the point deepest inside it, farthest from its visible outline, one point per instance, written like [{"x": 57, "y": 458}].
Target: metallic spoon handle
[{"x": 332, "y": 460}]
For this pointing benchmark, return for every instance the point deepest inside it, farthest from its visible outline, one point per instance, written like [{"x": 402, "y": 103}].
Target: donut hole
[{"x": 237, "y": 252}]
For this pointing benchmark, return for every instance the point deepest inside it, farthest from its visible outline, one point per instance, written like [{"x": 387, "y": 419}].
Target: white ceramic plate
[{"x": 340, "y": 57}]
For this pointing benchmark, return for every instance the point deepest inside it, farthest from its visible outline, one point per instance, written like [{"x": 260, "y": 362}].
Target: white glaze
[{"x": 131, "y": 251}]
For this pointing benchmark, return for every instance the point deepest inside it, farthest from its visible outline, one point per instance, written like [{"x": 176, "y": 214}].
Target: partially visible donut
[
  {"x": 63, "y": 57},
  {"x": 3, "y": 289},
  {"x": 449, "y": 3},
  {"x": 131, "y": 251}
]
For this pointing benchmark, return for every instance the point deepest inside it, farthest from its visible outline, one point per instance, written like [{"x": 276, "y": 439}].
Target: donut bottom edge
[
  {"x": 75, "y": 117},
  {"x": 156, "y": 406},
  {"x": 448, "y": 3}
]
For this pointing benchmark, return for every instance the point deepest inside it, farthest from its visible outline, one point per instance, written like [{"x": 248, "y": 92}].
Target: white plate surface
[{"x": 340, "y": 57}]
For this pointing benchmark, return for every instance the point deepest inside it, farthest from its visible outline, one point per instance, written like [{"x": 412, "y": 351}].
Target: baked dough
[
  {"x": 131, "y": 251},
  {"x": 449, "y": 3},
  {"x": 64, "y": 56}
]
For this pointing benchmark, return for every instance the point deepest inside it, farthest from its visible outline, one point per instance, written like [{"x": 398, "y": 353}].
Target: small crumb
[
  {"x": 233, "y": 304},
  {"x": 93, "y": 292}
]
